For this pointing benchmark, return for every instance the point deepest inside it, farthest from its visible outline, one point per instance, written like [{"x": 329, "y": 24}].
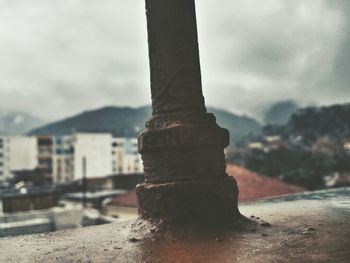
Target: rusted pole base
[
  {"x": 184, "y": 165},
  {"x": 201, "y": 202}
]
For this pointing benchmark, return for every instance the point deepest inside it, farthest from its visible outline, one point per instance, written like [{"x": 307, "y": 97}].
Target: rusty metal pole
[{"x": 182, "y": 147}]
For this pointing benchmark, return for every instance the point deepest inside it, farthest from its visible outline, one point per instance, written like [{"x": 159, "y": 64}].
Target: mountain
[
  {"x": 238, "y": 125},
  {"x": 280, "y": 112},
  {"x": 127, "y": 122},
  {"x": 314, "y": 122},
  {"x": 120, "y": 121},
  {"x": 12, "y": 123}
]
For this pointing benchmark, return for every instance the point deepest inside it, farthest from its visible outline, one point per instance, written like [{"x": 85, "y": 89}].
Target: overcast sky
[{"x": 61, "y": 57}]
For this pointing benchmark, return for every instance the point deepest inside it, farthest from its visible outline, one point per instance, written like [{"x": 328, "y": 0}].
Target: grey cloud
[
  {"x": 275, "y": 50},
  {"x": 72, "y": 55},
  {"x": 62, "y": 57},
  {"x": 340, "y": 77}
]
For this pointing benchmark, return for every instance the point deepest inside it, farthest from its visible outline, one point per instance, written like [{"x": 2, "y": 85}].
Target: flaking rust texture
[
  {"x": 174, "y": 57},
  {"x": 182, "y": 146}
]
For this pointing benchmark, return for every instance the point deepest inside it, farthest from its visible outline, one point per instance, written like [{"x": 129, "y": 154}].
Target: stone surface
[{"x": 327, "y": 213}]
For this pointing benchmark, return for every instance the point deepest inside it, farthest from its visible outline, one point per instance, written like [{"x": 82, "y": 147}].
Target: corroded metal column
[{"x": 182, "y": 147}]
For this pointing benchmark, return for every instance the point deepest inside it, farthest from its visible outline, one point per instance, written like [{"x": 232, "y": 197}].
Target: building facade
[
  {"x": 45, "y": 147},
  {"x": 4, "y": 165},
  {"x": 125, "y": 158},
  {"x": 103, "y": 154},
  {"x": 61, "y": 157},
  {"x": 96, "y": 149},
  {"x": 22, "y": 153},
  {"x": 17, "y": 153}
]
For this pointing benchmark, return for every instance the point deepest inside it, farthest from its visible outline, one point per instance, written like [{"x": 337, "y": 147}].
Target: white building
[
  {"x": 20, "y": 154},
  {"x": 347, "y": 147},
  {"x": 96, "y": 148},
  {"x": 104, "y": 155},
  {"x": 62, "y": 156},
  {"x": 125, "y": 158},
  {"x": 272, "y": 139},
  {"x": 23, "y": 152},
  {"x": 256, "y": 146}
]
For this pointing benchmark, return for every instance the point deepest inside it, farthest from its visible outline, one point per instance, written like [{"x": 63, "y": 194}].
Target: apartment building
[
  {"x": 22, "y": 153},
  {"x": 17, "y": 153},
  {"x": 45, "y": 147},
  {"x": 4, "y": 167},
  {"x": 61, "y": 157},
  {"x": 125, "y": 158},
  {"x": 96, "y": 149}
]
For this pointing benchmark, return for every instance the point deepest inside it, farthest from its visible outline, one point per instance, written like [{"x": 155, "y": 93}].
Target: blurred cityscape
[
  {"x": 56, "y": 182},
  {"x": 52, "y": 178}
]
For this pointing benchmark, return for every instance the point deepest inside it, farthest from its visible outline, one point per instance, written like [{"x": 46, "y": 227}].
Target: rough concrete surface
[{"x": 311, "y": 227}]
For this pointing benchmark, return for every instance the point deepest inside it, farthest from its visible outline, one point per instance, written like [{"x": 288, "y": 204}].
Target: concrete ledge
[
  {"x": 311, "y": 227},
  {"x": 31, "y": 226}
]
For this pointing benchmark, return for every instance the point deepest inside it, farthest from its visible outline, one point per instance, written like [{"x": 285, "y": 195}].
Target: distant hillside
[
  {"x": 120, "y": 121},
  {"x": 315, "y": 122},
  {"x": 17, "y": 122},
  {"x": 280, "y": 112},
  {"x": 239, "y": 126},
  {"x": 127, "y": 122}
]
